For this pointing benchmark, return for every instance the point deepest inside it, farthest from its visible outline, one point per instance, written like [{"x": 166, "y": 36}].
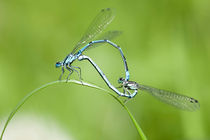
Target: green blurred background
[{"x": 166, "y": 44}]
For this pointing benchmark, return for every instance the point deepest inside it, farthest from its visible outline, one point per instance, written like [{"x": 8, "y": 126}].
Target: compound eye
[
  {"x": 121, "y": 80},
  {"x": 58, "y": 64}
]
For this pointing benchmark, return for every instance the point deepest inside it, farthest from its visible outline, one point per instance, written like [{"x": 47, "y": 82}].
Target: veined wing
[
  {"x": 96, "y": 27},
  {"x": 110, "y": 35},
  {"x": 174, "y": 99}
]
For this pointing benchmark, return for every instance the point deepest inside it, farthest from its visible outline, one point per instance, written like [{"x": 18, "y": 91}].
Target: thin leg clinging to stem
[
  {"x": 80, "y": 73},
  {"x": 61, "y": 73},
  {"x": 77, "y": 73},
  {"x": 70, "y": 72}
]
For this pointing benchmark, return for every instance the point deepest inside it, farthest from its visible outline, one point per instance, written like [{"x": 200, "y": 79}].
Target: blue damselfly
[
  {"x": 172, "y": 98},
  {"x": 96, "y": 27}
]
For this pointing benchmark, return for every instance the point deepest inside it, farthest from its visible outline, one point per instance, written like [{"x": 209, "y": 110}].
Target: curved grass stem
[{"x": 141, "y": 133}]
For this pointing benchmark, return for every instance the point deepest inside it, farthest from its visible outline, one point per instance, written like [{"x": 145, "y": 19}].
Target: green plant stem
[{"x": 141, "y": 133}]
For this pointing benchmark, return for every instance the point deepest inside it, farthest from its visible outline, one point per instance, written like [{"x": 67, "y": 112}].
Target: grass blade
[{"x": 141, "y": 133}]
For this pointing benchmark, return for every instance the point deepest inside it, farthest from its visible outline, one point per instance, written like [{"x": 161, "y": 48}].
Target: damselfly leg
[
  {"x": 70, "y": 72},
  {"x": 62, "y": 69},
  {"x": 79, "y": 73}
]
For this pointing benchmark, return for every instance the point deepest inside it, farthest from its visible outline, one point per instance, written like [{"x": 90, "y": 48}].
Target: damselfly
[
  {"x": 174, "y": 99},
  {"x": 96, "y": 27}
]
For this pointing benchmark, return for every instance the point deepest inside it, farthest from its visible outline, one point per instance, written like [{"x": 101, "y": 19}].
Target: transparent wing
[
  {"x": 174, "y": 99},
  {"x": 96, "y": 27},
  {"x": 110, "y": 35}
]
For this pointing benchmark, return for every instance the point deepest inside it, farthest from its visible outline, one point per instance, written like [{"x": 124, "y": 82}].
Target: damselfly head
[
  {"x": 121, "y": 80},
  {"x": 58, "y": 64}
]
